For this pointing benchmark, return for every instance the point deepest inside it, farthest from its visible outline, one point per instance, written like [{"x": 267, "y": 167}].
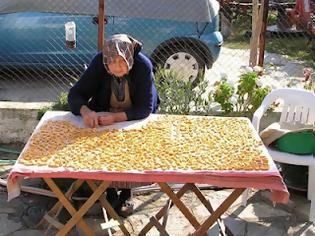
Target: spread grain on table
[{"x": 168, "y": 143}]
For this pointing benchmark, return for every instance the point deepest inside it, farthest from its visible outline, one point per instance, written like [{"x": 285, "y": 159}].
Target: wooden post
[
  {"x": 101, "y": 20},
  {"x": 256, "y": 30},
  {"x": 254, "y": 36},
  {"x": 262, "y": 40}
]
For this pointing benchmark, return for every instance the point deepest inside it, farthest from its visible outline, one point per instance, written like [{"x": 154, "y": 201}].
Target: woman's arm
[
  {"x": 86, "y": 87},
  {"x": 144, "y": 91}
]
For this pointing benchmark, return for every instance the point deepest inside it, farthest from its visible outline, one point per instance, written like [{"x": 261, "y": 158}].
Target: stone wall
[{"x": 18, "y": 120}]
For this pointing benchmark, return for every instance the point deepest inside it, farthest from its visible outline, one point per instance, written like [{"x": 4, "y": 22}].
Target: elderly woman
[{"x": 120, "y": 81}]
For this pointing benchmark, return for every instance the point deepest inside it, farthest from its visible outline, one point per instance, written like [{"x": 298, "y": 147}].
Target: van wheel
[{"x": 181, "y": 59}]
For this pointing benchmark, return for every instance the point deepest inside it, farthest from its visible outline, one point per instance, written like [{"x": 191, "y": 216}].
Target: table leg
[
  {"x": 109, "y": 208},
  {"x": 201, "y": 229},
  {"x": 159, "y": 227},
  {"x": 56, "y": 209},
  {"x": 169, "y": 203},
  {"x": 224, "y": 230},
  {"x": 219, "y": 211},
  {"x": 66, "y": 203},
  {"x": 163, "y": 211},
  {"x": 77, "y": 216},
  {"x": 180, "y": 205}
]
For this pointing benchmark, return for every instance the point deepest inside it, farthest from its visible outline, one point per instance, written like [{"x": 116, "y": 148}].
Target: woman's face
[{"x": 118, "y": 67}]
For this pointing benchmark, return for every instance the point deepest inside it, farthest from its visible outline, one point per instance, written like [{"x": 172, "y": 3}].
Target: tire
[{"x": 182, "y": 59}]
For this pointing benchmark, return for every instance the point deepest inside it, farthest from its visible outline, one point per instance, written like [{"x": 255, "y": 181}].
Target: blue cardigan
[{"x": 94, "y": 89}]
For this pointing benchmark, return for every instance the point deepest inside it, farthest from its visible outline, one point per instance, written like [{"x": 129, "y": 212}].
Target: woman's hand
[
  {"x": 111, "y": 118},
  {"x": 106, "y": 119},
  {"x": 90, "y": 117}
]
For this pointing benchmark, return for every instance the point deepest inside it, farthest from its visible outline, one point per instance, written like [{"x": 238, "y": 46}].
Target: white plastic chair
[{"x": 298, "y": 107}]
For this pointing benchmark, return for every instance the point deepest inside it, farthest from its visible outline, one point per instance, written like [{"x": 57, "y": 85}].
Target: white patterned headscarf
[{"x": 122, "y": 45}]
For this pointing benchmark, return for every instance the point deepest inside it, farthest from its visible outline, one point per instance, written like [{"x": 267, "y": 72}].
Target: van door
[{"x": 38, "y": 39}]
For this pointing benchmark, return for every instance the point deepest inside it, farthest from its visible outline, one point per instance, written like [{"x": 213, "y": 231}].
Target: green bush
[
  {"x": 245, "y": 100},
  {"x": 222, "y": 95},
  {"x": 272, "y": 17},
  {"x": 180, "y": 97},
  {"x": 60, "y": 105},
  {"x": 177, "y": 96}
]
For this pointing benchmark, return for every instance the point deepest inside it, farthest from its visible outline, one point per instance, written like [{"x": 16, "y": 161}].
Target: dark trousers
[{"x": 117, "y": 200}]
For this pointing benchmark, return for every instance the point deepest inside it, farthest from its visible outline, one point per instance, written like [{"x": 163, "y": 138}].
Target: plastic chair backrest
[{"x": 298, "y": 106}]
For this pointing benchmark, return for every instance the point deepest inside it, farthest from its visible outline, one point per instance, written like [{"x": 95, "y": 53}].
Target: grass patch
[
  {"x": 60, "y": 105},
  {"x": 237, "y": 42},
  {"x": 296, "y": 48}
]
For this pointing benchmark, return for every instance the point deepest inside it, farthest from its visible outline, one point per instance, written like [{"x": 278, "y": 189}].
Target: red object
[
  {"x": 302, "y": 14},
  {"x": 307, "y": 72},
  {"x": 270, "y": 179}
]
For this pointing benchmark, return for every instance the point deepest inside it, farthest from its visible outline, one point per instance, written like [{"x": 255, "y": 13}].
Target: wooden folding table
[{"x": 100, "y": 180}]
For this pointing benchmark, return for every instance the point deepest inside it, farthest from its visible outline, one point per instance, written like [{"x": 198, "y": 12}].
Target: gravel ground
[{"x": 279, "y": 72}]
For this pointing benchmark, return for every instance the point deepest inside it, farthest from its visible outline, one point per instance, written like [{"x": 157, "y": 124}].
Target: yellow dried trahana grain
[{"x": 169, "y": 143}]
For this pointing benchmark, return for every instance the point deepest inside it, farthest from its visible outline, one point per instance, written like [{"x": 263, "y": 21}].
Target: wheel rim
[{"x": 184, "y": 65}]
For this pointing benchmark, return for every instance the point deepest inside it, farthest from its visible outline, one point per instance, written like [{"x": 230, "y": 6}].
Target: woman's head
[
  {"x": 118, "y": 66},
  {"x": 118, "y": 54}
]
